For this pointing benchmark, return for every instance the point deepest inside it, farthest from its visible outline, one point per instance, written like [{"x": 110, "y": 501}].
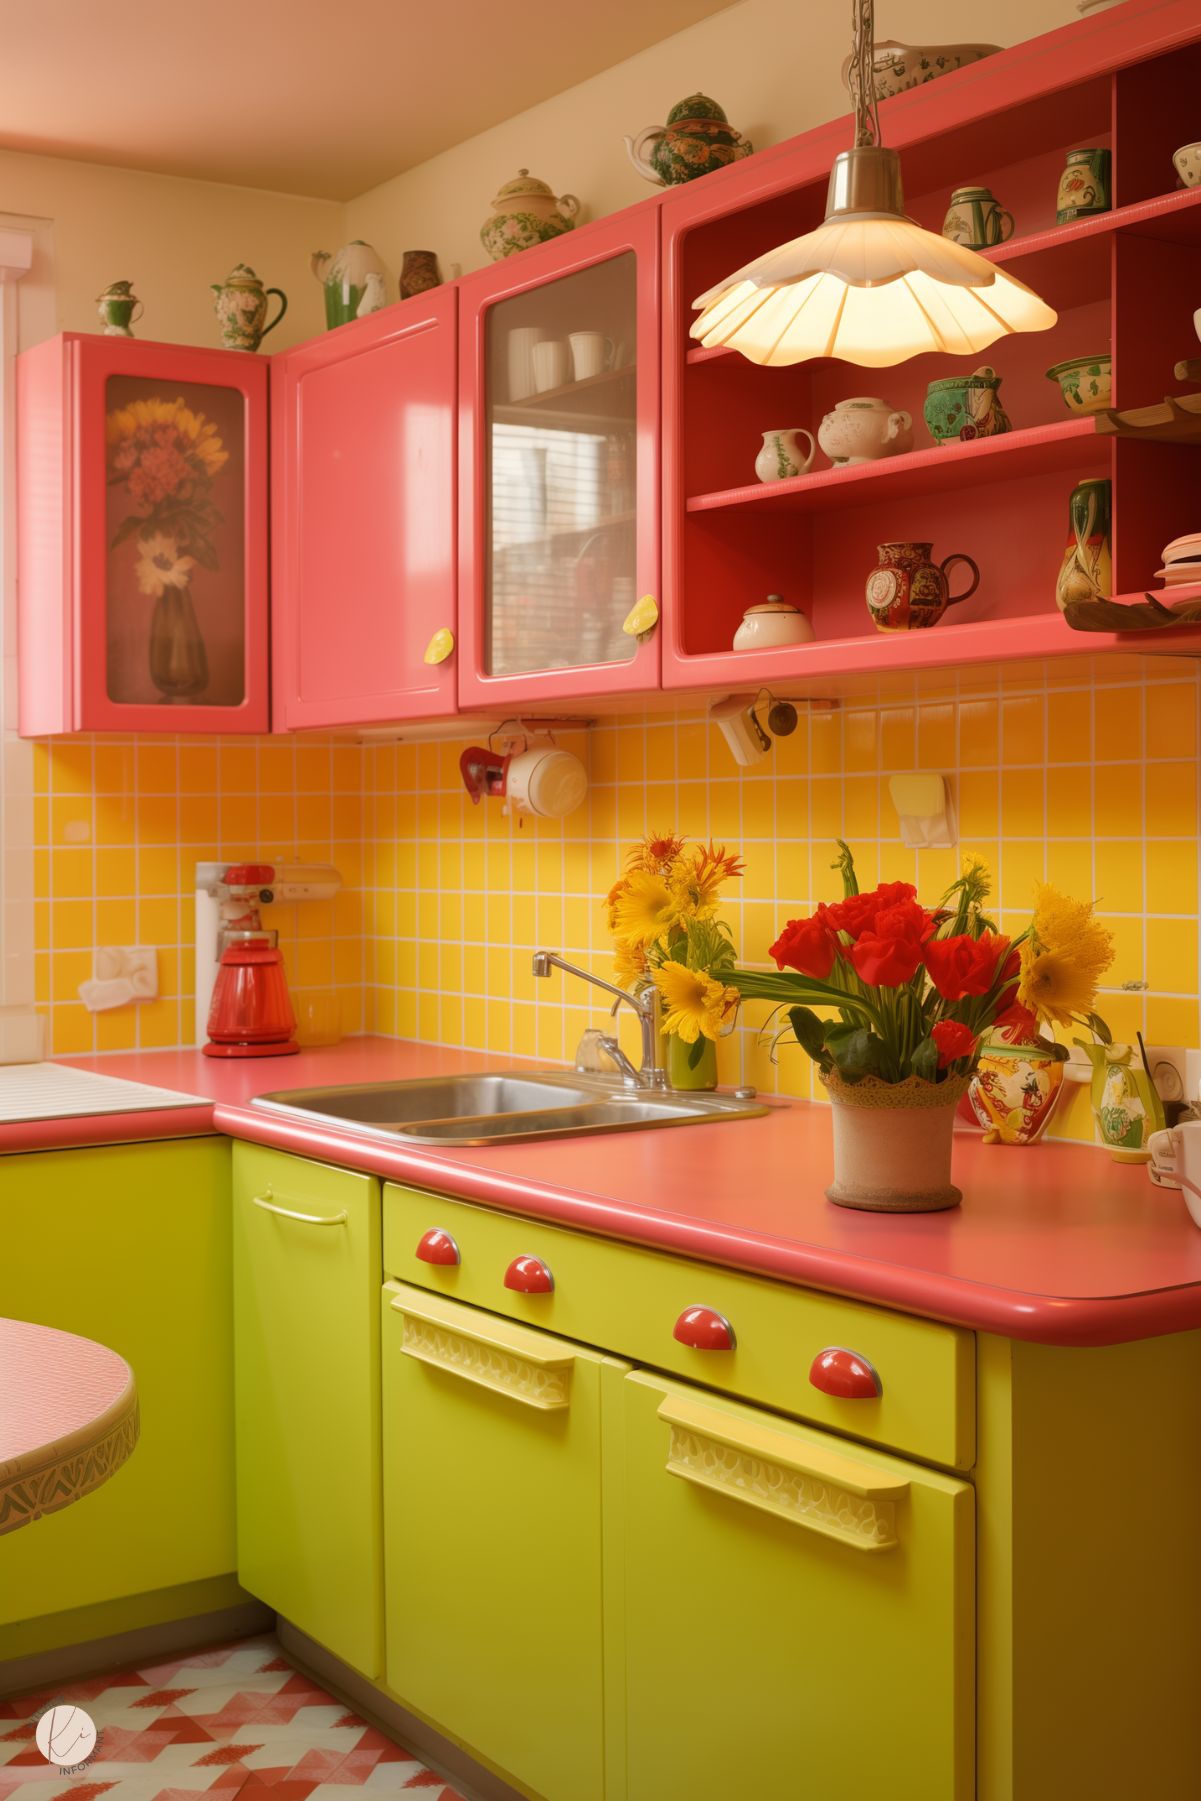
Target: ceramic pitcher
[
  {"x": 241, "y": 308},
  {"x": 1125, "y": 1100},
  {"x": 119, "y": 307},
  {"x": 697, "y": 137},
  {"x": 353, "y": 280},
  {"x": 909, "y": 589},
  {"x": 781, "y": 456},
  {"x": 976, "y": 219},
  {"x": 966, "y": 406}
]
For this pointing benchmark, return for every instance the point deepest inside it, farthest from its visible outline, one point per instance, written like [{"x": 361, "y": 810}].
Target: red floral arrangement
[{"x": 911, "y": 991}]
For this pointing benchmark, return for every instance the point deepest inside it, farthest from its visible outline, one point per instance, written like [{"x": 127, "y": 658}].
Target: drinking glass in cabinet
[
  {"x": 562, "y": 460},
  {"x": 175, "y": 537}
]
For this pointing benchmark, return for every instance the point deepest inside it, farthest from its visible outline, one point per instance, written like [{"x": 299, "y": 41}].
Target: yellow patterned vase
[{"x": 1014, "y": 1092}]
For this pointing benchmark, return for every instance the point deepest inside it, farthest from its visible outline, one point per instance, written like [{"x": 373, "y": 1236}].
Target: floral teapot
[
  {"x": 241, "y": 308},
  {"x": 697, "y": 137},
  {"x": 526, "y": 212}
]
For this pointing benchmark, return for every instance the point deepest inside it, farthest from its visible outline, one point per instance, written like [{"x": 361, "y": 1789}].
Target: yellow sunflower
[
  {"x": 646, "y": 911},
  {"x": 696, "y": 1003},
  {"x": 630, "y": 964},
  {"x": 1055, "y": 985}
]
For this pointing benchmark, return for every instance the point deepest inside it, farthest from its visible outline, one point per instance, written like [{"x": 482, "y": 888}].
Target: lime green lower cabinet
[
  {"x": 307, "y": 1352},
  {"x": 492, "y": 1534},
  {"x": 127, "y": 1244},
  {"x": 797, "y": 1610}
]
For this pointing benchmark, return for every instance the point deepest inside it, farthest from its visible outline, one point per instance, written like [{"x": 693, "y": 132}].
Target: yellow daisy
[
  {"x": 645, "y": 912},
  {"x": 630, "y": 964},
  {"x": 696, "y": 1003}
]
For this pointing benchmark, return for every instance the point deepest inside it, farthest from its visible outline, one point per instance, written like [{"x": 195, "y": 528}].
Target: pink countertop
[{"x": 1057, "y": 1243}]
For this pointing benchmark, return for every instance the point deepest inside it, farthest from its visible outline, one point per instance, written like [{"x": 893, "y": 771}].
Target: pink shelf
[{"x": 1033, "y": 451}]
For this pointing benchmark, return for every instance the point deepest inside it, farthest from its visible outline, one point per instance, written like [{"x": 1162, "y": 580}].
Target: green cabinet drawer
[
  {"x": 306, "y": 1335},
  {"x": 628, "y": 1299},
  {"x": 492, "y": 1534}
]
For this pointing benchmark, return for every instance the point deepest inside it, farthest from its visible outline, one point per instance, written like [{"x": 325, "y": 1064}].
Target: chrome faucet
[{"x": 650, "y": 1073}]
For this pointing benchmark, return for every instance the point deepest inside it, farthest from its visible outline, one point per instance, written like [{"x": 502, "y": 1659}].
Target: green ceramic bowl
[{"x": 1086, "y": 383}]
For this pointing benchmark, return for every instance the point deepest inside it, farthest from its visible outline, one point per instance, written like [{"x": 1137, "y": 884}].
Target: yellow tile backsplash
[{"x": 1090, "y": 784}]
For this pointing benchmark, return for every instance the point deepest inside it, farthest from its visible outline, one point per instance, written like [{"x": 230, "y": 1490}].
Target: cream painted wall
[
  {"x": 171, "y": 238},
  {"x": 773, "y": 64}
]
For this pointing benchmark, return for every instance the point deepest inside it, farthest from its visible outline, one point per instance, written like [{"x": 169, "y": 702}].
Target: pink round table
[{"x": 68, "y": 1419}]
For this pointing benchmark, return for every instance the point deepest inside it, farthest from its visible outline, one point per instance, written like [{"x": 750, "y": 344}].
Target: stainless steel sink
[{"x": 506, "y": 1107}]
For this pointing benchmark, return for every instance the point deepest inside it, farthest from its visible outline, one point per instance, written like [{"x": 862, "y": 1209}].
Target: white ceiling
[{"x": 320, "y": 97}]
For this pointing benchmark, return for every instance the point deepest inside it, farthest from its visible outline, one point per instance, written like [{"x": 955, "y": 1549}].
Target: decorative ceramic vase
[
  {"x": 697, "y": 138},
  {"x": 1086, "y": 572},
  {"x": 892, "y": 1143},
  {"x": 118, "y": 306},
  {"x": 1083, "y": 186},
  {"x": 353, "y": 279},
  {"x": 179, "y": 665},
  {"x": 679, "y": 1072},
  {"x": 526, "y": 212},
  {"x": 1187, "y": 163},
  {"x": 1086, "y": 383},
  {"x": 896, "y": 67},
  {"x": 1014, "y": 1092},
  {"x": 966, "y": 407},
  {"x": 1126, "y": 1102},
  {"x": 910, "y": 590},
  {"x": 976, "y": 219},
  {"x": 241, "y": 308},
  {"x": 781, "y": 456},
  {"x": 864, "y": 429},
  {"x": 419, "y": 273}
]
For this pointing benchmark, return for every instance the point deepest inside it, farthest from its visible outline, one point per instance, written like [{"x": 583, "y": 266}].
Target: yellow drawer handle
[
  {"x": 642, "y": 618},
  {"x": 440, "y": 646},
  {"x": 505, "y": 1358},
  {"x": 306, "y": 1219},
  {"x": 781, "y": 1474}
]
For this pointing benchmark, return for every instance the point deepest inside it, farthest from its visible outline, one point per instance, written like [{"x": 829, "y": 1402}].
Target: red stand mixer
[{"x": 249, "y": 1013}]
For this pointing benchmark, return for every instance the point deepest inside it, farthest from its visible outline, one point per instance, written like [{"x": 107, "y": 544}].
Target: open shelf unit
[{"x": 1125, "y": 282}]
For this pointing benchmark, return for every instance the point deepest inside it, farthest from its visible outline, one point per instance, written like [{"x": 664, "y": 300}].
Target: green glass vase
[{"x": 682, "y": 1074}]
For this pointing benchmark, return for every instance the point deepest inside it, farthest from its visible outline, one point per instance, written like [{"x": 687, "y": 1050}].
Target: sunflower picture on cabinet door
[{"x": 175, "y": 535}]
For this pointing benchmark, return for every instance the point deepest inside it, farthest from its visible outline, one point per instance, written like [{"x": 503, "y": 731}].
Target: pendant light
[{"x": 869, "y": 286}]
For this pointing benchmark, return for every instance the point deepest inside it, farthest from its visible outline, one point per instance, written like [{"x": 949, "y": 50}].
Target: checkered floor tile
[{"x": 238, "y": 1722}]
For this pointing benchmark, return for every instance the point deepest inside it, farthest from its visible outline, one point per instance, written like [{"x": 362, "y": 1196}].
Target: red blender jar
[{"x": 251, "y": 1014}]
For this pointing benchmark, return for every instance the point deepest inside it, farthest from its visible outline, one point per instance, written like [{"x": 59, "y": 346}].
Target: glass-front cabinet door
[
  {"x": 144, "y": 580},
  {"x": 559, "y": 515}
]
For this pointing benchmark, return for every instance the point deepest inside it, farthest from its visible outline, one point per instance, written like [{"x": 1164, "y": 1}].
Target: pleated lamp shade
[{"x": 869, "y": 286}]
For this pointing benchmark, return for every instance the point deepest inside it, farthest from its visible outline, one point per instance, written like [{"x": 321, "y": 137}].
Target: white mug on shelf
[
  {"x": 552, "y": 365},
  {"x": 591, "y": 353},
  {"x": 522, "y": 340}
]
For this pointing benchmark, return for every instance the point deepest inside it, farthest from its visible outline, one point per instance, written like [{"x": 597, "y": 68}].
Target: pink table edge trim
[
  {"x": 1040, "y": 1319},
  {"x": 189, "y": 1121}
]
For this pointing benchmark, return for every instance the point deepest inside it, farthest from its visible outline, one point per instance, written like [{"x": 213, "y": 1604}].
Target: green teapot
[
  {"x": 1125, "y": 1100},
  {"x": 241, "y": 308},
  {"x": 697, "y": 137}
]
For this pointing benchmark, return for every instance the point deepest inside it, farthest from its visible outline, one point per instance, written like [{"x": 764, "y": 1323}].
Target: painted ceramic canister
[
  {"x": 910, "y": 590},
  {"x": 863, "y": 429},
  {"x": 1083, "y": 186},
  {"x": 696, "y": 139},
  {"x": 241, "y": 308},
  {"x": 1086, "y": 572},
  {"x": 1125, "y": 1100},
  {"x": 118, "y": 306},
  {"x": 1014, "y": 1092},
  {"x": 966, "y": 406},
  {"x": 419, "y": 273},
  {"x": 524, "y": 213},
  {"x": 976, "y": 218},
  {"x": 353, "y": 280}
]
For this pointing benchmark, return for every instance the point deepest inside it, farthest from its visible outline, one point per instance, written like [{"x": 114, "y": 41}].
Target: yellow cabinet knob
[
  {"x": 642, "y": 617},
  {"x": 440, "y": 645}
]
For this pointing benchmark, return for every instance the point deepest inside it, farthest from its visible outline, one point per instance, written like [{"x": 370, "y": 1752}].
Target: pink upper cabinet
[
  {"x": 363, "y": 518},
  {"x": 559, "y": 451},
  {"x": 142, "y": 538}
]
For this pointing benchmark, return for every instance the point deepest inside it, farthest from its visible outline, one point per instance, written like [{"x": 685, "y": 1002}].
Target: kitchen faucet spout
[{"x": 644, "y": 1001}]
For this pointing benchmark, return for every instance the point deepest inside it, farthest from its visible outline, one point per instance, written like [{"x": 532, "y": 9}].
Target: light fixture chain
[{"x": 861, "y": 74}]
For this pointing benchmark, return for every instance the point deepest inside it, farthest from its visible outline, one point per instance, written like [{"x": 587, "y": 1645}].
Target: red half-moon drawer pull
[
  {"x": 529, "y": 1275},
  {"x": 704, "y": 1329},
  {"x": 845, "y": 1375},
  {"x": 437, "y": 1246}
]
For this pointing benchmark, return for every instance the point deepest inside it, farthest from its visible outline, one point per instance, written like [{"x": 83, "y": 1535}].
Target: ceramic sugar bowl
[
  {"x": 864, "y": 429},
  {"x": 771, "y": 623},
  {"x": 526, "y": 212}
]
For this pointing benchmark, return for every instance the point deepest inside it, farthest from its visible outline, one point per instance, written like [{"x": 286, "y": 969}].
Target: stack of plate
[{"x": 1181, "y": 562}]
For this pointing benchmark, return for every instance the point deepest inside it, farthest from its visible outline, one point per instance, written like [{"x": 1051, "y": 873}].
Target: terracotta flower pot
[{"x": 892, "y": 1144}]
